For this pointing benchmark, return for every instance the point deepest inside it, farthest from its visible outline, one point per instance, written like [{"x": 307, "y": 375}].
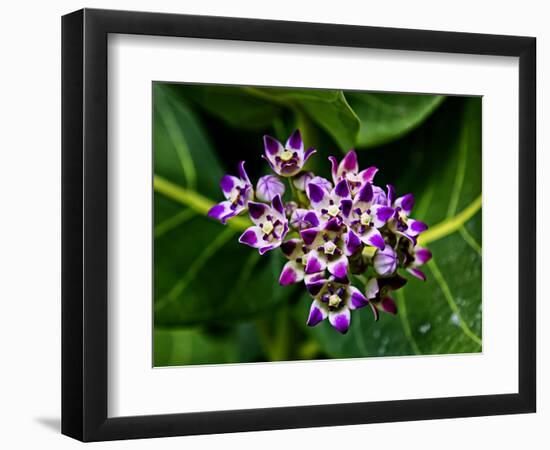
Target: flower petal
[
  {"x": 356, "y": 298},
  {"x": 292, "y": 273},
  {"x": 300, "y": 219},
  {"x": 379, "y": 196},
  {"x": 314, "y": 282},
  {"x": 352, "y": 243},
  {"x": 365, "y": 193},
  {"x": 334, "y": 168},
  {"x": 341, "y": 190},
  {"x": 292, "y": 248},
  {"x": 315, "y": 262},
  {"x": 318, "y": 197},
  {"x": 338, "y": 266},
  {"x": 268, "y": 186},
  {"x": 371, "y": 288},
  {"x": 323, "y": 182},
  {"x": 345, "y": 206},
  {"x": 391, "y": 194},
  {"x": 311, "y": 218},
  {"x": 228, "y": 183},
  {"x": 253, "y": 237},
  {"x": 277, "y": 205},
  {"x": 333, "y": 225},
  {"x": 381, "y": 214},
  {"x": 311, "y": 236},
  {"x": 242, "y": 173},
  {"x": 406, "y": 203},
  {"x": 310, "y": 151},
  {"x": 368, "y": 174},
  {"x": 272, "y": 147},
  {"x": 340, "y": 319},
  {"x": 385, "y": 261},
  {"x": 295, "y": 143},
  {"x": 223, "y": 211},
  {"x": 349, "y": 163},
  {"x": 421, "y": 256},
  {"x": 387, "y": 304},
  {"x": 317, "y": 313},
  {"x": 373, "y": 238},
  {"x": 257, "y": 211},
  {"x": 416, "y": 227},
  {"x": 270, "y": 161},
  {"x": 417, "y": 273},
  {"x": 269, "y": 247}
]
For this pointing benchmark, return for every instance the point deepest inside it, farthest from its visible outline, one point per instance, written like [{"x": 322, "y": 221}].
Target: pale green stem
[
  {"x": 449, "y": 226},
  {"x": 194, "y": 200}
]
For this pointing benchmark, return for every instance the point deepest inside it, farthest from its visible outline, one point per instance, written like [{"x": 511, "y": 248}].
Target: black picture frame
[{"x": 84, "y": 224}]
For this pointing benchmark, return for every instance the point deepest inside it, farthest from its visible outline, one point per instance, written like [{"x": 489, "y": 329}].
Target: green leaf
[
  {"x": 232, "y": 104},
  {"x": 443, "y": 314},
  {"x": 329, "y": 109},
  {"x": 202, "y": 274},
  {"x": 195, "y": 345},
  {"x": 386, "y": 117}
]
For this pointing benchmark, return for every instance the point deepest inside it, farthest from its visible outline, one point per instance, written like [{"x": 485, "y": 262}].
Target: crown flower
[
  {"x": 237, "y": 191},
  {"x": 288, "y": 160},
  {"x": 346, "y": 240}
]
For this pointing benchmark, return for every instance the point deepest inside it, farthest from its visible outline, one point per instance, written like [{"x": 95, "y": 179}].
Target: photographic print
[{"x": 300, "y": 224}]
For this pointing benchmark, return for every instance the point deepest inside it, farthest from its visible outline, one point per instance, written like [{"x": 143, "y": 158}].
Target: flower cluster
[{"x": 333, "y": 232}]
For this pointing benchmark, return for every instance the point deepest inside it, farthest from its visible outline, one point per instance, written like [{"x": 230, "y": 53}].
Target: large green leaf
[
  {"x": 386, "y": 117},
  {"x": 202, "y": 274},
  {"x": 329, "y": 109},
  {"x": 442, "y": 315},
  {"x": 234, "y": 105},
  {"x": 352, "y": 119}
]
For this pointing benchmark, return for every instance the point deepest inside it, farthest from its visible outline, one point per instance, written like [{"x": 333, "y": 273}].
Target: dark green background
[{"x": 217, "y": 301}]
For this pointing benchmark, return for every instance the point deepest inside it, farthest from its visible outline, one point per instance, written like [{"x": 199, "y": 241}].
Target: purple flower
[
  {"x": 401, "y": 223},
  {"x": 366, "y": 218},
  {"x": 385, "y": 261},
  {"x": 288, "y": 160},
  {"x": 336, "y": 300},
  {"x": 294, "y": 270},
  {"x": 379, "y": 196},
  {"x": 268, "y": 187},
  {"x": 301, "y": 219},
  {"x": 237, "y": 191},
  {"x": 328, "y": 205},
  {"x": 302, "y": 180},
  {"x": 329, "y": 248},
  {"x": 415, "y": 257},
  {"x": 348, "y": 169},
  {"x": 270, "y": 225},
  {"x": 378, "y": 291}
]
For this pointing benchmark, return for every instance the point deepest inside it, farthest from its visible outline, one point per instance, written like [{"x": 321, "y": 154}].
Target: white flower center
[
  {"x": 334, "y": 300},
  {"x": 267, "y": 227},
  {"x": 365, "y": 219},
  {"x": 286, "y": 155},
  {"x": 330, "y": 247},
  {"x": 333, "y": 210}
]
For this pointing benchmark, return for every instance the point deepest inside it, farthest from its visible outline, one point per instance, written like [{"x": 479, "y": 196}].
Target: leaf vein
[{"x": 450, "y": 300}]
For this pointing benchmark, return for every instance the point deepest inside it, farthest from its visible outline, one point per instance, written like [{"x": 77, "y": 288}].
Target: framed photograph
[{"x": 274, "y": 225}]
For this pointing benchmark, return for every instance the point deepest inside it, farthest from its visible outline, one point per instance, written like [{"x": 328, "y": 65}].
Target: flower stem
[
  {"x": 194, "y": 200},
  {"x": 451, "y": 225}
]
